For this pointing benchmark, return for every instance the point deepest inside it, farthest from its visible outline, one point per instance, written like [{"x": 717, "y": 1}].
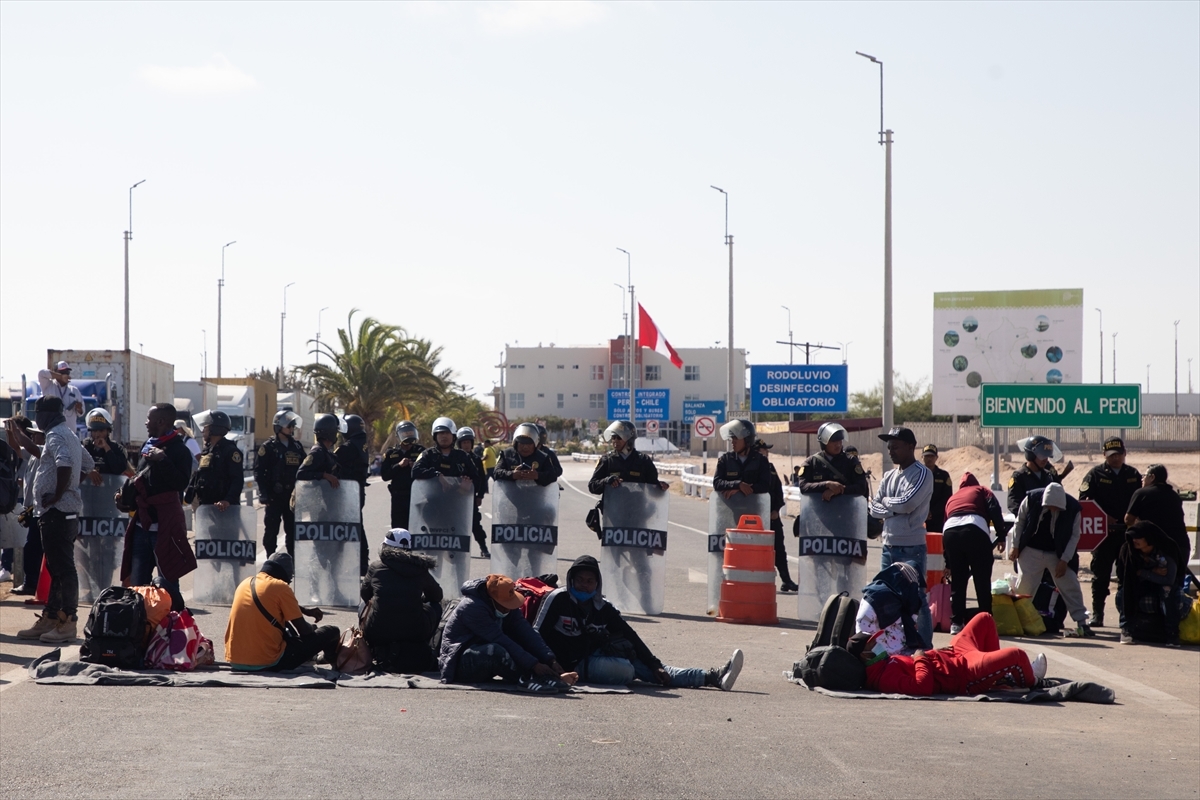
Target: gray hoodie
[{"x": 902, "y": 502}]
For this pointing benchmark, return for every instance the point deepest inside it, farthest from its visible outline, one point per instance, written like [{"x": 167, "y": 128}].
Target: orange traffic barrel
[
  {"x": 748, "y": 588},
  {"x": 935, "y": 563}
]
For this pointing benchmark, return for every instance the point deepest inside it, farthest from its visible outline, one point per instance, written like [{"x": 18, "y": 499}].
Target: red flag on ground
[{"x": 649, "y": 336}]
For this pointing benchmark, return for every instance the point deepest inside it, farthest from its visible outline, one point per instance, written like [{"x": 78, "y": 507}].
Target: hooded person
[
  {"x": 967, "y": 544},
  {"x": 589, "y": 635},
  {"x": 403, "y": 606},
  {"x": 1150, "y": 569},
  {"x": 267, "y": 631},
  {"x": 890, "y": 607},
  {"x": 486, "y": 637},
  {"x": 1045, "y": 539}
]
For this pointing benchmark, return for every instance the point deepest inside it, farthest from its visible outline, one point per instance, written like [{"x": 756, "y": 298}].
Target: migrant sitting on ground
[
  {"x": 890, "y": 609},
  {"x": 973, "y": 663},
  {"x": 486, "y": 637},
  {"x": 589, "y": 635},
  {"x": 1149, "y": 566},
  {"x": 404, "y": 605}
]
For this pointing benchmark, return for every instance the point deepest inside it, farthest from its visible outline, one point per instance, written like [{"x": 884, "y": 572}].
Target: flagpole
[{"x": 634, "y": 350}]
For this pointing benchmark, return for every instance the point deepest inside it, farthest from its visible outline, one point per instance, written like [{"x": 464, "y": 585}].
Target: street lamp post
[
  {"x": 630, "y": 353},
  {"x": 1114, "y": 359},
  {"x": 1101, "y": 313},
  {"x": 624, "y": 328},
  {"x": 319, "y": 313},
  {"x": 282, "y": 317},
  {"x": 791, "y": 341},
  {"x": 1177, "y": 368},
  {"x": 885, "y": 139},
  {"x": 204, "y": 332},
  {"x": 729, "y": 411},
  {"x": 220, "y": 290},
  {"x": 1147, "y": 379},
  {"x": 128, "y": 237}
]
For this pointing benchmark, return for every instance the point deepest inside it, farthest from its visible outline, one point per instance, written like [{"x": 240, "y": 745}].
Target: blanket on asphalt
[{"x": 1051, "y": 690}]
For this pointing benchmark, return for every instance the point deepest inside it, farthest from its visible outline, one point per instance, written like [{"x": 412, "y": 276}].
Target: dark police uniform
[
  {"x": 943, "y": 487},
  {"x": 552, "y": 459},
  {"x": 399, "y": 480},
  {"x": 777, "y": 504},
  {"x": 434, "y": 463},
  {"x": 355, "y": 465},
  {"x": 820, "y": 468},
  {"x": 732, "y": 471},
  {"x": 510, "y": 461},
  {"x": 1112, "y": 491},
  {"x": 1024, "y": 480},
  {"x": 275, "y": 472},
  {"x": 319, "y": 461},
  {"x": 634, "y": 468},
  {"x": 110, "y": 462},
  {"x": 481, "y": 489},
  {"x": 219, "y": 476}
]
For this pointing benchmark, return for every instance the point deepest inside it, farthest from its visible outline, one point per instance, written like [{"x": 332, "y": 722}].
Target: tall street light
[
  {"x": 1114, "y": 359},
  {"x": 128, "y": 237},
  {"x": 1101, "y": 313},
  {"x": 319, "y": 313},
  {"x": 729, "y": 411},
  {"x": 282, "y": 317},
  {"x": 1177, "y": 368},
  {"x": 630, "y": 353},
  {"x": 624, "y": 325},
  {"x": 791, "y": 341},
  {"x": 220, "y": 289},
  {"x": 204, "y": 333},
  {"x": 885, "y": 139}
]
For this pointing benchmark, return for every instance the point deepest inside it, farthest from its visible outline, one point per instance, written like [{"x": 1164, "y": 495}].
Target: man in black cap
[
  {"x": 1158, "y": 502},
  {"x": 777, "y": 504},
  {"x": 942, "y": 489},
  {"x": 1111, "y": 486}
]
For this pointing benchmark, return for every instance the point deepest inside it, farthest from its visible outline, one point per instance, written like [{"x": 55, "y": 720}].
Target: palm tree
[{"x": 379, "y": 370}]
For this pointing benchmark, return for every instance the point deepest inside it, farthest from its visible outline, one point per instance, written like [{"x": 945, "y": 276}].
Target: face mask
[
  {"x": 501, "y": 614},
  {"x": 581, "y": 597}
]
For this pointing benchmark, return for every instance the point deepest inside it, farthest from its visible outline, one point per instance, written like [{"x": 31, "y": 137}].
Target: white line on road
[
  {"x": 1160, "y": 700},
  {"x": 669, "y": 522}
]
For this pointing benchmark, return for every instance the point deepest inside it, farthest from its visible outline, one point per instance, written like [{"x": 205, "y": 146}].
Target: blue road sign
[
  {"x": 703, "y": 408},
  {"x": 799, "y": 388},
  {"x": 651, "y": 404}
]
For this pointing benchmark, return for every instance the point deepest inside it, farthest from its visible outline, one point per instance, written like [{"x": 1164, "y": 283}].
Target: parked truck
[
  {"x": 123, "y": 382},
  {"x": 250, "y": 404},
  {"x": 305, "y": 405},
  {"x": 192, "y": 397}
]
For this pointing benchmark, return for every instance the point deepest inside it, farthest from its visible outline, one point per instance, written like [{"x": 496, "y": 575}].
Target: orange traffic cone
[{"x": 43, "y": 588}]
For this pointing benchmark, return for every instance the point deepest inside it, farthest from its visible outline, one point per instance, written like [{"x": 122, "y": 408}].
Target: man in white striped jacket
[{"x": 902, "y": 502}]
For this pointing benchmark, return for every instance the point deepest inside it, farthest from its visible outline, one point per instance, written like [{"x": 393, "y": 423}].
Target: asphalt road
[{"x": 768, "y": 738}]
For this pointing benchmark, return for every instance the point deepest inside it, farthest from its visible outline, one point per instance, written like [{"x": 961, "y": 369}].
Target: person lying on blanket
[{"x": 973, "y": 663}]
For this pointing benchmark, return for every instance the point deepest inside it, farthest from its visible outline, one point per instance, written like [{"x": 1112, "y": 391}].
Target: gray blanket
[{"x": 1050, "y": 690}]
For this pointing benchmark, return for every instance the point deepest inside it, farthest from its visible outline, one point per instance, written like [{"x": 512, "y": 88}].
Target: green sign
[{"x": 1060, "y": 405}]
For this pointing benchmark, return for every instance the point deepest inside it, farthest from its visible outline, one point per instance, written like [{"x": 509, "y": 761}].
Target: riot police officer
[
  {"x": 741, "y": 469},
  {"x": 832, "y": 471},
  {"x": 777, "y": 504},
  {"x": 354, "y": 464},
  {"x": 444, "y": 459},
  {"x": 943, "y": 487},
  {"x": 109, "y": 456},
  {"x": 1036, "y": 473},
  {"x": 219, "y": 479},
  {"x": 623, "y": 463},
  {"x": 550, "y": 455},
  {"x": 275, "y": 473},
  {"x": 466, "y": 442},
  {"x": 320, "y": 464},
  {"x": 1111, "y": 485},
  {"x": 396, "y": 469},
  {"x": 524, "y": 461}
]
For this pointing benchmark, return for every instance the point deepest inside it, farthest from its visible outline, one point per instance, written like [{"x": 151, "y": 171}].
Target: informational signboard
[
  {"x": 800, "y": 388},
  {"x": 593, "y": 428},
  {"x": 651, "y": 404},
  {"x": 1032, "y": 336},
  {"x": 1080, "y": 405},
  {"x": 704, "y": 427},
  {"x": 652, "y": 428},
  {"x": 703, "y": 408}
]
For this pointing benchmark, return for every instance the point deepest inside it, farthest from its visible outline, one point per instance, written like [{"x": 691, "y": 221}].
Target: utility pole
[
  {"x": 282, "y": 317},
  {"x": 1101, "y": 313},
  {"x": 319, "y": 313},
  {"x": 630, "y": 353},
  {"x": 128, "y": 237},
  {"x": 220, "y": 290},
  {"x": 729, "y": 411},
  {"x": 1177, "y": 368},
  {"x": 808, "y": 348},
  {"x": 1114, "y": 359}
]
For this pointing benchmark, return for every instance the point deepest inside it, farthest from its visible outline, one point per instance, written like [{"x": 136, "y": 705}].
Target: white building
[{"x": 573, "y": 382}]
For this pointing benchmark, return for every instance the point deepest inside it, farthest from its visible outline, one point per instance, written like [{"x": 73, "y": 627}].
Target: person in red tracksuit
[{"x": 973, "y": 663}]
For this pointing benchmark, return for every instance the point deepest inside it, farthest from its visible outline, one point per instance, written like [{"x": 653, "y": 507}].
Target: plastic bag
[
  {"x": 1001, "y": 586},
  {"x": 1005, "y": 614},
  {"x": 178, "y": 644},
  {"x": 1189, "y": 629},
  {"x": 1030, "y": 617}
]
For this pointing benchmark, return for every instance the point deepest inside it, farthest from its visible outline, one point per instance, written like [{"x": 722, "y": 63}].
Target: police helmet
[
  {"x": 830, "y": 432},
  {"x": 406, "y": 431},
  {"x": 543, "y": 435},
  {"x": 98, "y": 420},
  {"x": 327, "y": 427},
  {"x": 354, "y": 425},
  {"x": 526, "y": 430},
  {"x": 465, "y": 433},
  {"x": 1039, "y": 447},
  {"x": 286, "y": 419},
  {"x": 444, "y": 425},
  {"x": 740, "y": 428},
  {"x": 219, "y": 420},
  {"x": 621, "y": 428}
]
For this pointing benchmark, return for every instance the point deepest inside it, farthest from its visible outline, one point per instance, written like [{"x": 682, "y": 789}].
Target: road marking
[
  {"x": 1160, "y": 700},
  {"x": 669, "y": 522},
  {"x": 8, "y": 683},
  {"x": 696, "y": 576}
]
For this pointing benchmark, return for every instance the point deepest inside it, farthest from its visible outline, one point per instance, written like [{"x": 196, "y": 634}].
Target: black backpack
[
  {"x": 9, "y": 493},
  {"x": 116, "y": 629},
  {"x": 836, "y": 625},
  {"x": 831, "y": 667},
  {"x": 435, "y": 643}
]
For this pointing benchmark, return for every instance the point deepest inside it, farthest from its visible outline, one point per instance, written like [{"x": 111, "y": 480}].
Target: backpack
[
  {"x": 116, "y": 629},
  {"x": 836, "y": 624},
  {"x": 435, "y": 644},
  {"x": 831, "y": 667},
  {"x": 535, "y": 590},
  {"x": 9, "y": 493}
]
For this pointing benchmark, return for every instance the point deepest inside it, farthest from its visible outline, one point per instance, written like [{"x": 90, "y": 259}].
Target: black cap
[
  {"x": 929, "y": 448},
  {"x": 1113, "y": 444},
  {"x": 280, "y": 566},
  {"x": 903, "y": 434},
  {"x": 759, "y": 444},
  {"x": 48, "y": 405}
]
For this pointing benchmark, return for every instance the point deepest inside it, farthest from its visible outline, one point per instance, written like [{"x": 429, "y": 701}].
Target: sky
[{"x": 468, "y": 171}]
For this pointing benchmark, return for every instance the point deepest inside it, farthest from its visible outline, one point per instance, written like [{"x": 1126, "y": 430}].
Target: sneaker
[
  {"x": 1125, "y": 637},
  {"x": 535, "y": 684},
  {"x": 1083, "y": 631},
  {"x": 728, "y": 674},
  {"x": 1098, "y": 619},
  {"x": 44, "y": 624},
  {"x": 1039, "y": 665},
  {"x": 5, "y": 575},
  {"x": 484, "y": 553},
  {"x": 21, "y": 590},
  {"x": 64, "y": 630},
  {"x": 788, "y": 587},
  {"x": 955, "y": 628}
]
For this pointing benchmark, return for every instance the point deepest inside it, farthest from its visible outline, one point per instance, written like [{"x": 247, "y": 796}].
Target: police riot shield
[
  {"x": 724, "y": 514},
  {"x": 328, "y": 530},
  {"x": 439, "y": 518},
  {"x": 524, "y": 528},
  {"x": 225, "y": 552},
  {"x": 833, "y": 550},
  {"x": 634, "y": 546},
  {"x": 101, "y": 541}
]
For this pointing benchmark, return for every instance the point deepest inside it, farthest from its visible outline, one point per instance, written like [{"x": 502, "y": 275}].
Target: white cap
[
  {"x": 398, "y": 537},
  {"x": 62, "y": 366}
]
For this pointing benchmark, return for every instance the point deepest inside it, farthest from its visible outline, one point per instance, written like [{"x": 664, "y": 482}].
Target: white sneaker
[
  {"x": 1039, "y": 665},
  {"x": 730, "y": 671},
  {"x": 5, "y": 575},
  {"x": 955, "y": 629}
]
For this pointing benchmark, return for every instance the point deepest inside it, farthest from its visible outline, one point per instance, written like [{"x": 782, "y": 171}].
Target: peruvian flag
[{"x": 649, "y": 336}]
